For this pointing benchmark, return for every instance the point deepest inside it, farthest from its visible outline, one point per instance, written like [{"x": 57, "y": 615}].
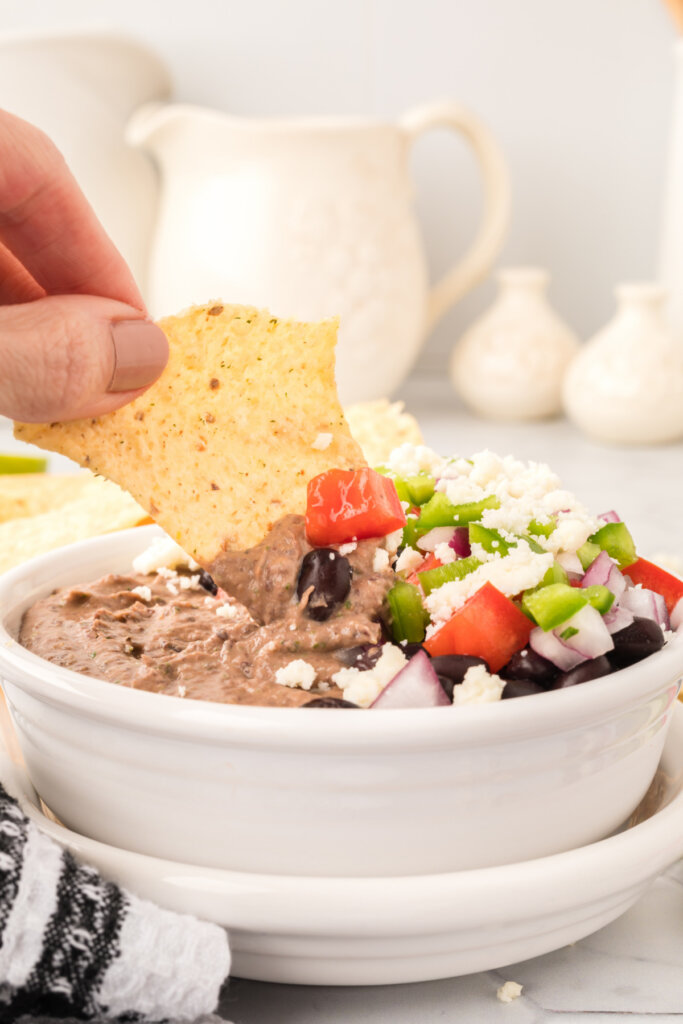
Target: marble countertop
[{"x": 631, "y": 970}]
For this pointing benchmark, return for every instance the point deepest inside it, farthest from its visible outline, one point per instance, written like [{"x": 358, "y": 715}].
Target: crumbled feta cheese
[
  {"x": 189, "y": 582},
  {"x": 167, "y": 574},
  {"x": 346, "y": 549},
  {"x": 519, "y": 570},
  {"x": 227, "y": 611},
  {"x": 363, "y": 686},
  {"x": 478, "y": 687},
  {"x": 322, "y": 442},
  {"x": 392, "y": 541},
  {"x": 182, "y": 690},
  {"x": 381, "y": 560},
  {"x": 144, "y": 593},
  {"x": 408, "y": 560},
  {"x": 297, "y": 673},
  {"x": 412, "y": 459},
  {"x": 445, "y": 553},
  {"x": 172, "y": 589},
  {"x": 163, "y": 552},
  {"x": 509, "y": 991}
]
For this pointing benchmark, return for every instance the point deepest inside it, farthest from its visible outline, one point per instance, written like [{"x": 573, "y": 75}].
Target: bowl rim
[{"x": 555, "y": 711}]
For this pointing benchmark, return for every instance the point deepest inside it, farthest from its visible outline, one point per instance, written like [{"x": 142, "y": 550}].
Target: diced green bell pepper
[
  {"x": 420, "y": 488},
  {"x": 491, "y": 540},
  {"x": 537, "y": 529},
  {"x": 588, "y": 552},
  {"x": 433, "y": 578},
  {"x": 615, "y": 539},
  {"x": 439, "y": 511},
  {"x": 550, "y": 606},
  {"x": 555, "y": 574},
  {"x": 411, "y": 532},
  {"x": 600, "y": 597},
  {"x": 409, "y": 617}
]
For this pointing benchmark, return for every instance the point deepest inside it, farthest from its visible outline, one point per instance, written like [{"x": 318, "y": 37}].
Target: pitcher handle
[{"x": 488, "y": 241}]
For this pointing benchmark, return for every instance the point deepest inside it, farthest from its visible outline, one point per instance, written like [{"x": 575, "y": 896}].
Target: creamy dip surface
[{"x": 164, "y": 632}]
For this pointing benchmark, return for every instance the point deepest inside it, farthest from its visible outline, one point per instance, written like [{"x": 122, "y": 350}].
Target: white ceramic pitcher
[
  {"x": 311, "y": 218},
  {"x": 81, "y": 89}
]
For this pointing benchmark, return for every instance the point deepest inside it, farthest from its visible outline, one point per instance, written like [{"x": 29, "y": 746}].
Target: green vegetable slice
[
  {"x": 491, "y": 540},
  {"x": 22, "y": 464},
  {"x": 555, "y": 574},
  {"x": 537, "y": 529},
  {"x": 411, "y": 532},
  {"x": 600, "y": 597},
  {"x": 431, "y": 579},
  {"x": 615, "y": 539},
  {"x": 409, "y": 617},
  {"x": 439, "y": 511},
  {"x": 550, "y": 606},
  {"x": 588, "y": 552}
]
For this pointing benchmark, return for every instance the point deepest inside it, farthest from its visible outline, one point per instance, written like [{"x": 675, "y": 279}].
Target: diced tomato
[
  {"x": 488, "y": 626},
  {"x": 654, "y": 578},
  {"x": 346, "y": 504},
  {"x": 430, "y": 562}
]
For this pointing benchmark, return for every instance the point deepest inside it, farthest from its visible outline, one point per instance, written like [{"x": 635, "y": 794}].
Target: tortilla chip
[
  {"x": 101, "y": 507},
  {"x": 224, "y": 443},
  {"x": 381, "y": 426},
  {"x": 30, "y": 494}
]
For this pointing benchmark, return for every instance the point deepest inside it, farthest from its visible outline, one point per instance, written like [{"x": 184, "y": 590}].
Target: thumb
[{"x": 65, "y": 357}]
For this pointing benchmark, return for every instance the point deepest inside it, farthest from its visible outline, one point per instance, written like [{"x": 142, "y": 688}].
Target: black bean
[
  {"x": 521, "y": 688},
  {"x": 411, "y": 649},
  {"x": 329, "y": 574},
  {"x": 329, "y": 702},
  {"x": 529, "y": 666},
  {"x": 207, "y": 582},
  {"x": 363, "y": 657},
  {"x": 454, "y": 666},
  {"x": 635, "y": 642},
  {"x": 583, "y": 673}
]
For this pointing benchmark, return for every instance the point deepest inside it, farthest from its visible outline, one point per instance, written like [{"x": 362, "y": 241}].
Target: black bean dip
[{"x": 179, "y": 639}]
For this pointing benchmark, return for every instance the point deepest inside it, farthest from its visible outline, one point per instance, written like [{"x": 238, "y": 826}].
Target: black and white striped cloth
[{"x": 75, "y": 945}]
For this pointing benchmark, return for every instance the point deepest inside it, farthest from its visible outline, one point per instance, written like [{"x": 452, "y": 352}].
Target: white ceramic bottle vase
[
  {"x": 626, "y": 384},
  {"x": 510, "y": 363}
]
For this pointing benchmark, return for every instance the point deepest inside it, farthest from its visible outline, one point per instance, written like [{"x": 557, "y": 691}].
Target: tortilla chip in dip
[
  {"x": 224, "y": 443},
  {"x": 97, "y": 506}
]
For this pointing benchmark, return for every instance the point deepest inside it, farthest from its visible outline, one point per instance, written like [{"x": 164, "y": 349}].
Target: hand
[{"x": 75, "y": 339}]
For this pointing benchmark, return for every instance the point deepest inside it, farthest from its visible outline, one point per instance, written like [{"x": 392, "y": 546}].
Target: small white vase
[
  {"x": 626, "y": 384},
  {"x": 511, "y": 362}
]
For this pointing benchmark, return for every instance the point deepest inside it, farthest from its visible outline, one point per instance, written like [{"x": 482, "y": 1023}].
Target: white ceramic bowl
[{"x": 318, "y": 792}]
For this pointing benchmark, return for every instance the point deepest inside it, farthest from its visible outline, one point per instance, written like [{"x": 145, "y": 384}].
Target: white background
[{"x": 577, "y": 92}]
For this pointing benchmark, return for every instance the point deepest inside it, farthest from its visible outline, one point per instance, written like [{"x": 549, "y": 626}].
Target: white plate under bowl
[{"x": 379, "y": 931}]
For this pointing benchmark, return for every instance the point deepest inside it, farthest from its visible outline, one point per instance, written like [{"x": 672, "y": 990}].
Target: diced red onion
[
  {"x": 592, "y": 637},
  {"x": 439, "y": 535},
  {"x": 647, "y": 604},
  {"x": 609, "y": 517},
  {"x": 677, "y": 614},
  {"x": 590, "y": 641},
  {"x": 415, "y": 686},
  {"x": 460, "y": 542},
  {"x": 617, "y": 618},
  {"x": 602, "y": 571},
  {"x": 549, "y": 646},
  {"x": 570, "y": 561}
]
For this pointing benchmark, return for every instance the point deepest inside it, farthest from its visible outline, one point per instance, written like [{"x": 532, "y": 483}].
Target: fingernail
[{"x": 140, "y": 354}]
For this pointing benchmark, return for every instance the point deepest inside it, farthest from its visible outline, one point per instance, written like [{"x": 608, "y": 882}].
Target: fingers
[
  {"x": 16, "y": 284},
  {"x": 68, "y": 357},
  {"x": 47, "y": 223}
]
